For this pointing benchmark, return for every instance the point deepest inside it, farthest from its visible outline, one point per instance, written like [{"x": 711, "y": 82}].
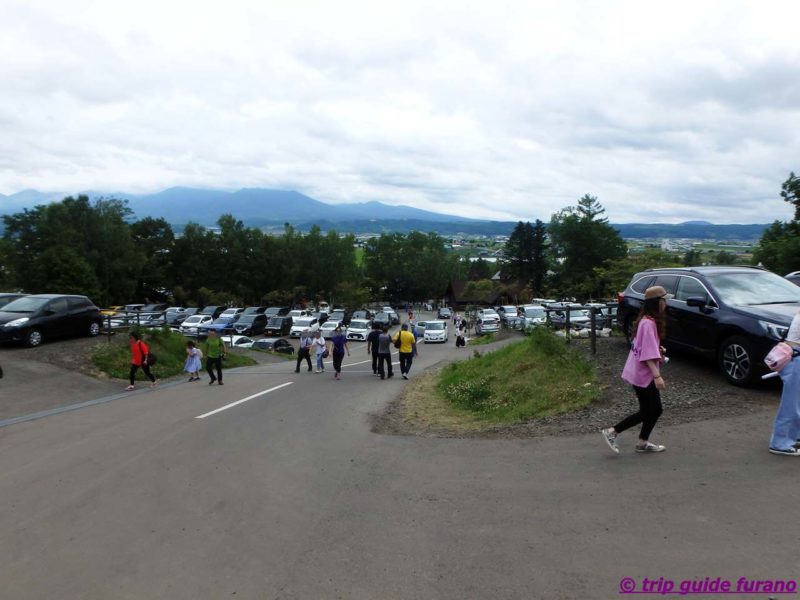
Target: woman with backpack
[{"x": 140, "y": 355}]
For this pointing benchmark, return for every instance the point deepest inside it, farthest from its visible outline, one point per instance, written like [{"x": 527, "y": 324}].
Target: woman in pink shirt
[{"x": 643, "y": 371}]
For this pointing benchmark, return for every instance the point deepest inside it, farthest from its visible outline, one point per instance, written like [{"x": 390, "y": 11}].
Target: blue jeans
[
  {"x": 320, "y": 365},
  {"x": 786, "y": 430}
]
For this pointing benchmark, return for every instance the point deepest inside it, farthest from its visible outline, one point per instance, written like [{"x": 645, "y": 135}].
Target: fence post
[
  {"x": 593, "y": 333},
  {"x": 568, "y": 310}
]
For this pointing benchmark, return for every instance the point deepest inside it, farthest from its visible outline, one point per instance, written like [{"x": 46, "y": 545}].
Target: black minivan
[
  {"x": 732, "y": 314},
  {"x": 32, "y": 319}
]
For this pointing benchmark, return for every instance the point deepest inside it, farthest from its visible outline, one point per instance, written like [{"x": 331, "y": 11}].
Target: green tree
[
  {"x": 779, "y": 248},
  {"x": 693, "y": 258},
  {"x": 790, "y": 192},
  {"x": 582, "y": 241}
]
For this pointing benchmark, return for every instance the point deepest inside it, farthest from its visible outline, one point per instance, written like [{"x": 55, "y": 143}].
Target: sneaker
[
  {"x": 610, "y": 438},
  {"x": 155, "y": 383},
  {"x": 297, "y": 370},
  {"x": 212, "y": 382},
  {"x": 787, "y": 452},
  {"x": 131, "y": 387},
  {"x": 220, "y": 382},
  {"x": 405, "y": 376},
  {"x": 648, "y": 447}
]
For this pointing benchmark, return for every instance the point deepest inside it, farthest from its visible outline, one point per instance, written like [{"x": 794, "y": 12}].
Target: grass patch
[
  {"x": 114, "y": 359},
  {"x": 537, "y": 377},
  {"x": 486, "y": 338}
]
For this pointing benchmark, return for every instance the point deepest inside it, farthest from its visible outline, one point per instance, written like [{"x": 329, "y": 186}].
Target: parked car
[
  {"x": 531, "y": 315},
  {"x": 444, "y": 313},
  {"x": 255, "y": 310},
  {"x": 277, "y": 311},
  {"x": 222, "y": 325},
  {"x": 252, "y": 324},
  {"x": 106, "y": 312},
  {"x": 508, "y": 315},
  {"x": 174, "y": 319},
  {"x": 340, "y": 315},
  {"x": 578, "y": 317},
  {"x": 363, "y": 315},
  {"x": 328, "y": 327},
  {"x": 419, "y": 329},
  {"x": 192, "y": 324},
  {"x": 279, "y": 326},
  {"x": 732, "y": 314},
  {"x": 383, "y": 319},
  {"x": 33, "y": 319},
  {"x": 299, "y": 313},
  {"x": 230, "y": 313},
  {"x": 794, "y": 277},
  {"x": 393, "y": 316},
  {"x": 213, "y": 311},
  {"x": 359, "y": 329},
  {"x": 487, "y": 322},
  {"x": 237, "y": 341},
  {"x": 436, "y": 331},
  {"x": 301, "y": 324},
  {"x": 274, "y": 345}
]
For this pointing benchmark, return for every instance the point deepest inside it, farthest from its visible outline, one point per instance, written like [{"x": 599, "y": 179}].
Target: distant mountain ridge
[{"x": 269, "y": 208}]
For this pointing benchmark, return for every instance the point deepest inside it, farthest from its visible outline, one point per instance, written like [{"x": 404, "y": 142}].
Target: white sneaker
[
  {"x": 787, "y": 452},
  {"x": 611, "y": 439},
  {"x": 648, "y": 447}
]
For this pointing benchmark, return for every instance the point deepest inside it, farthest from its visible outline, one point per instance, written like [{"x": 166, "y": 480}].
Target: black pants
[
  {"x": 301, "y": 354},
  {"x": 406, "y": 358},
  {"x": 145, "y": 368},
  {"x": 387, "y": 360},
  {"x": 375, "y": 359},
  {"x": 649, "y": 410},
  {"x": 337, "y": 361},
  {"x": 212, "y": 363}
]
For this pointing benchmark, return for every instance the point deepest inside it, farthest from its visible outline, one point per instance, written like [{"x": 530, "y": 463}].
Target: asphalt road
[{"x": 289, "y": 495}]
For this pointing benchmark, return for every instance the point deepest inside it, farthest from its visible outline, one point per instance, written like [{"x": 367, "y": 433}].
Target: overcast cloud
[{"x": 506, "y": 110}]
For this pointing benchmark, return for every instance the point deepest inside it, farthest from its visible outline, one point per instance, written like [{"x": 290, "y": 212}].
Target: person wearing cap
[
  {"x": 643, "y": 371},
  {"x": 786, "y": 430}
]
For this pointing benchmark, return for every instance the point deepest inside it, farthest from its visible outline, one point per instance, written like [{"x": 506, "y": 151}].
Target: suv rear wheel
[
  {"x": 94, "y": 329},
  {"x": 736, "y": 360}
]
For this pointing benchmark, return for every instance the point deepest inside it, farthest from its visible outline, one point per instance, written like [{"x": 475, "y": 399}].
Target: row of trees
[{"x": 98, "y": 249}]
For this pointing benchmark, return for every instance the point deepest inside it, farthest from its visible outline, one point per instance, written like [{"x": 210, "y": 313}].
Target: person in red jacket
[{"x": 139, "y": 353}]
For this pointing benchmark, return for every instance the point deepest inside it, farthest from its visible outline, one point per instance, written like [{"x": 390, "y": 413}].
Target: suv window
[
  {"x": 78, "y": 303},
  {"x": 691, "y": 287},
  {"x": 668, "y": 282},
  {"x": 640, "y": 285}
]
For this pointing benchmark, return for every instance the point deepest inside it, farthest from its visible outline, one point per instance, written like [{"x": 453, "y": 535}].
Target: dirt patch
[{"x": 696, "y": 391}]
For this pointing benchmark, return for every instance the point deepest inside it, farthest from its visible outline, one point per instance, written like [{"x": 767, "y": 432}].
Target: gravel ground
[{"x": 696, "y": 391}]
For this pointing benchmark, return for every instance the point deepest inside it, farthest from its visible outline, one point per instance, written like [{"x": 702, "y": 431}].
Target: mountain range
[{"x": 270, "y": 209}]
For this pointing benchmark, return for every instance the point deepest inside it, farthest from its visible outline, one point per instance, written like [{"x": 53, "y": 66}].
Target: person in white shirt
[{"x": 320, "y": 349}]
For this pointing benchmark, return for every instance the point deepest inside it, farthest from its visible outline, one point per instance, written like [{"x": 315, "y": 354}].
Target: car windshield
[
  {"x": 359, "y": 324},
  {"x": 534, "y": 312},
  {"x": 29, "y": 305},
  {"x": 303, "y": 322},
  {"x": 753, "y": 288},
  {"x": 192, "y": 320},
  {"x": 247, "y": 319},
  {"x": 433, "y": 326},
  {"x": 510, "y": 310}
]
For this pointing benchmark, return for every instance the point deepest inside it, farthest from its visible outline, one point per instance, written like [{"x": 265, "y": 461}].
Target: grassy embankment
[
  {"x": 537, "y": 377},
  {"x": 169, "y": 347}
]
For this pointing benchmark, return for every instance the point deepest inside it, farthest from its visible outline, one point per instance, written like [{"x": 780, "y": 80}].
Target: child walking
[{"x": 193, "y": 365}]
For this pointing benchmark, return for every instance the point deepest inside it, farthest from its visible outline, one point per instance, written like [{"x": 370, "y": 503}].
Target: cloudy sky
[{"x": 666, "y": 112}]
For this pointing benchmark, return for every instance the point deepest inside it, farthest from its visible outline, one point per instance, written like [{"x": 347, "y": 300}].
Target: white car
[
  {"x": 298, "y": 313},
  {"x": 231, "y": 313},
  {"x": 487, "y": 323},
  {"x": 192, "y": 324},
  {"x": 301, "y": 324},
  {"x": 237, "y": 341},
  {"x": 328, "y": 327},
  {"x": 358, "y": 329},
  {"x": 436, "y": 331},
  {"x": 532, "y": 315}
]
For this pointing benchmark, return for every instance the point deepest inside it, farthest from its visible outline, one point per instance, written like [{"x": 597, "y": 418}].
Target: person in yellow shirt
[{"x": 407, "y": 347}]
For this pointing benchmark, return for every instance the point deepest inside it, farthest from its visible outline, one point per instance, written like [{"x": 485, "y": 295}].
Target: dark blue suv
[{"x": 731, "y": 314}]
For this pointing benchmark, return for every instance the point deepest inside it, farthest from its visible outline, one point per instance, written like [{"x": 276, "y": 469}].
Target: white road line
[{"x": 232, "y": 404}]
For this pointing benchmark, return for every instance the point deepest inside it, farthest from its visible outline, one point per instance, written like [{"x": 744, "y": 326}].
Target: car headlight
[
  {"x": 18, "y": 322},
  {"x": 774, "y": 330}
]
